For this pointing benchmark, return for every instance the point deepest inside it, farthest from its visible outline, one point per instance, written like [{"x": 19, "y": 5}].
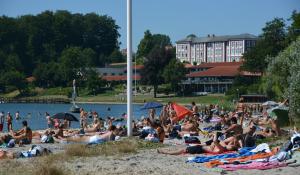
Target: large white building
[{"x": 228, "y": 48}]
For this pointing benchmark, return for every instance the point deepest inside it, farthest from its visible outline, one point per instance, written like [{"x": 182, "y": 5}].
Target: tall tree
[
  {"x": 15, "y": 79},
  {"x": 174, "y": 72},
  {"x": 94, "y": 83},
  {"x": 154, "y": 65},
  {"x": 150, "y": 41},
  {"x": 270, "y": 43},
  {"x": 116, "y": 57},
  {"x": 294, "y": 28},
  {"x": 283, "y": 77}
]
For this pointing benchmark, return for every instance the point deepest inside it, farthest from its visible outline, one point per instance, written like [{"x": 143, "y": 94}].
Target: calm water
[{"x": 35, "y": 113}]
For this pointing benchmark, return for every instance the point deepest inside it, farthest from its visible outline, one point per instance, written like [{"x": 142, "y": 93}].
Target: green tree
[
  {"x": 72, "y": 63},
  {"x": 149, "y": 42},
  {"x": 270, "y": 43},
  {"x": 294, "y": 28},
  {"x": 173, "y": 73},
  {"x": 15, "y": 79},
  {"x": 94, "y": 83},
  {"x": 48, "y": 75},
  {"x": 154, "y": 65},
  {"x": 145, "y": 45},
  {"x": 116, "y": 57},
  {"x": 283, "y": 77}
]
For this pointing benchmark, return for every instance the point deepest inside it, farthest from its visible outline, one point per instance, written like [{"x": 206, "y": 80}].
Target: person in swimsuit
[
  {"x": 230, "y": 144},
  {"x": 9, "y": 122},
  {"x": 234, "y": 128},
  {"x": 95, "y": 127},
  {"x": 195, "y": 110},
  {"x": 24, "y": 135},
  {"x": 110, "y": 135}
]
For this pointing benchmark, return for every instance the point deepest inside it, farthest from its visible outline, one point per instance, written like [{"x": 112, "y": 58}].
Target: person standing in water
[
  {"x": 49, "y": 120},
  {"x": 9, "y": 121},
  {"x": 17, "y": 115},
  {"x": 1, "y": 121}
]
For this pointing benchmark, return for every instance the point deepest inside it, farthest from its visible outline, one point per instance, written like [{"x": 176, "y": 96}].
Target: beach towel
[
  {"x": 242, "y": 152},
  {"x": 253, "y": 165},
  {"x": 248, "y": 158}
]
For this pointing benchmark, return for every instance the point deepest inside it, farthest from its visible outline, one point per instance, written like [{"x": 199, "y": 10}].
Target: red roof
[
  {"x": 210, "y": 65},
  {"x": 226, "y": 71},
  {"x": 119, "y": 77}
]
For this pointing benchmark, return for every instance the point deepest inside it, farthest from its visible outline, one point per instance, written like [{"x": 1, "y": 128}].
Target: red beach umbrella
[{"x": 181, "y": 111}]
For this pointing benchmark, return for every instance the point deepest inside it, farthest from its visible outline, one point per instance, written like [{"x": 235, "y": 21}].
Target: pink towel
[{"x": 253, "y": 165}]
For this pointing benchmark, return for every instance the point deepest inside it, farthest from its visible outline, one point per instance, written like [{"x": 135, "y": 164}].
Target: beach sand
[{"x": 143, "y": 162}]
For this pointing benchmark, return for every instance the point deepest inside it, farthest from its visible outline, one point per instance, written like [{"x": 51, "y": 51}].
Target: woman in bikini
[
  {"x": 110, "y": 135},
  {"x": 230, "y": 144}
]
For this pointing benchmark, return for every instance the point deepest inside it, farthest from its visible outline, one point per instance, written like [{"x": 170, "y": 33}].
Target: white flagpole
[{"x": 129, "y": 68}]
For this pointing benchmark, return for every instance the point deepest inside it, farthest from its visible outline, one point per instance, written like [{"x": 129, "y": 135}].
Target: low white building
[{"x": 228, "y": 48}]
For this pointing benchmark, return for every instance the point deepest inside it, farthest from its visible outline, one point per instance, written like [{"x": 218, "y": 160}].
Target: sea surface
[{"x": 35, "y": 113}]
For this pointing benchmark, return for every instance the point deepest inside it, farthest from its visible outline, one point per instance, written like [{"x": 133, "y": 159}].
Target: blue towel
[{"x": 242, "y": 152}]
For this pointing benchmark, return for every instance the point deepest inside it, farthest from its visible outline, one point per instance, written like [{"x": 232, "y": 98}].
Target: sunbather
[
  {"x": 230, "y": 144},
  {"x": 59, "y": 134},
  {"x": 24, "y": 135},
  {"x": 95, "y": 127},
  {"x": 110, "y": 135},
  {"x": 234, "y": 128}
]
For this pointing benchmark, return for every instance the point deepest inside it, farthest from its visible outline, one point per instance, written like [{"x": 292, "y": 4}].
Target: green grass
[
  {"x": 204, "y": 100},
  {"x": 54, "y": 91},
  {"x": 112, "y": 96}
]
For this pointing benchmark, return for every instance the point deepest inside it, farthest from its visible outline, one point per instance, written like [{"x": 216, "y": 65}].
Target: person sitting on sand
[
  {"x": 95, "y": 127},
  {"x": 164, "y": 115},
  {"x": 108, "y": 136},
  {"x": 195, "y": 110},
  {"x": 24, "y": 135},
  {"x": 66, "y": 123},
  {"x": 160, "y": 133},
  {"x": 60, "y": 132},
  {"x": 173, "y": 117},
  {"x": 189, "y": 127},
  {"x": 268, "y": 120},
  {"x": 229, "y": 144},
  {"x": 234, "y": 128}
]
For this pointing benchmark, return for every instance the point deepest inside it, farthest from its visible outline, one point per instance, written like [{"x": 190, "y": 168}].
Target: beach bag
[
  {"x": 191, "y": 140},
  {"x": 11, "y": 143}
]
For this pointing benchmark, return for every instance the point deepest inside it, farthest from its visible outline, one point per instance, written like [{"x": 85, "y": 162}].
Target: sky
[{"x": 175, "y": 18}]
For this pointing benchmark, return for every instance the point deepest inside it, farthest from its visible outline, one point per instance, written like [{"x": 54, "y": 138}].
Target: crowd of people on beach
[{"x": 210, "y": 129}]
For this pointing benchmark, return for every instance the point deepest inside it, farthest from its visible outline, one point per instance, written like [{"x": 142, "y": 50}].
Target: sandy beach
[{"x": 146, "y": 161}]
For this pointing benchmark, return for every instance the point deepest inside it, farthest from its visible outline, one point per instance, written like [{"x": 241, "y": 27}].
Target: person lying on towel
[{"x": 229, "y": 144}]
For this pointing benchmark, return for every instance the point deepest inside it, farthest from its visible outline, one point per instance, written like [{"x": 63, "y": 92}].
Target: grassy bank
[{"x": 117, "y": 97}]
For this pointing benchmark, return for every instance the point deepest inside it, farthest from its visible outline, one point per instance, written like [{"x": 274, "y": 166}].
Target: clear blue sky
[{"x": 176, "y": 18}]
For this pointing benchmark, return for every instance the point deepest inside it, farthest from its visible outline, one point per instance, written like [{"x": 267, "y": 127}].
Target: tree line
[
  {"x": 156, "y": 53},
  {"x": 276, "y": 56},
  {"x": 55, "y": 48}
]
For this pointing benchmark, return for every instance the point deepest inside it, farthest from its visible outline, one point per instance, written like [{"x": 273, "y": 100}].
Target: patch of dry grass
[
  {"x": 53, "y": 164},
  {"x": 125, "y": 146},
  {"x": 48, "y": 165}
]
